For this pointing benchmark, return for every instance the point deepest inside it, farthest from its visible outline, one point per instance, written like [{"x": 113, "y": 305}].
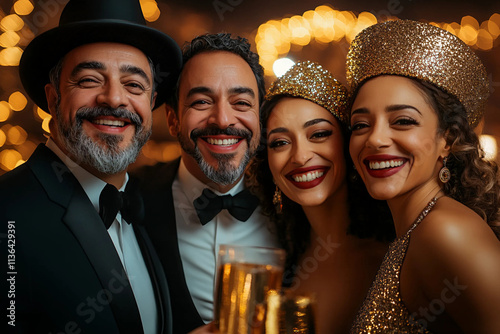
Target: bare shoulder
[
  {"x": 452, "y": 228},
  {"x": 453, "y": 246},
  {"x": 453, "y": 241}
]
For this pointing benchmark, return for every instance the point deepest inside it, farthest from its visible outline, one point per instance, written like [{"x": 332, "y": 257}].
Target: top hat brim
[{"x": 45, "y": 51}]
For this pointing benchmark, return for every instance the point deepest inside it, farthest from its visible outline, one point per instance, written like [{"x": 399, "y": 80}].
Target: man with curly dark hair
[{"x": 214, "y": 114}]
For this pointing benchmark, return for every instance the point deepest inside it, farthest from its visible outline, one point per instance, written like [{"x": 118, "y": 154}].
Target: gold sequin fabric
[
  {"x": 310, "y": 81},
  {"x": 423, "y": 51},
  {"x": 383, "y": 311}
]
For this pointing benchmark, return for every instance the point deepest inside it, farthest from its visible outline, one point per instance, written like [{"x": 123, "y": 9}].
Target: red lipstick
[
  {"x": 384, "y": 165},
  {"x": 298, "y": 177}
]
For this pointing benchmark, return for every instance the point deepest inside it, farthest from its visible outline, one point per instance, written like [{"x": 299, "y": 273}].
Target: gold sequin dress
[{"x": 383, "y": 311}]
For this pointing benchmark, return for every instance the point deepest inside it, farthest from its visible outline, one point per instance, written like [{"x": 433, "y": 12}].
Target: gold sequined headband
[
  {"x": 311, "y": 81},
  {"x": 420, "y": 50}
]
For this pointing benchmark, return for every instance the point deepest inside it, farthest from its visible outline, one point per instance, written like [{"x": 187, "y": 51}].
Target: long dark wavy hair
[
  {"x": 369, "y": 218},
  {"x": 474, "y": 180}
]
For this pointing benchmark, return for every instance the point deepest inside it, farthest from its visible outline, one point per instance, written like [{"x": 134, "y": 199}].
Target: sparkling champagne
[
  {"x": 290, "y": 314},
  {"x": 240, "y": 305}
]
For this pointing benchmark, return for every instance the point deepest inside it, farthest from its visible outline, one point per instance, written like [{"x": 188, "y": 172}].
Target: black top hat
[{"x": 89, "y": 21}]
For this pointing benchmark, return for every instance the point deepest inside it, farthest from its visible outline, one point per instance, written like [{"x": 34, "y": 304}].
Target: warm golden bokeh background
[{"x": 302, "y": 30}]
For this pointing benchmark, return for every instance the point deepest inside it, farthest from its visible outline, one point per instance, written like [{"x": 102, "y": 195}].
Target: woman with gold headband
[
  {"x": 418, "y": 93},
  {"x": 330, "y": 251}
]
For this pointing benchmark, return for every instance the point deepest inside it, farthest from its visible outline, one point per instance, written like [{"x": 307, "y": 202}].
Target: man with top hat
[{"x": 81, "y": 262}]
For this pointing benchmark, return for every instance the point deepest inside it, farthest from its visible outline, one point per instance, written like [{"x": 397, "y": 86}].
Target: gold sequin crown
[
  {"x": 420, "y": 50},
  {"x": 311, "y": 81}
]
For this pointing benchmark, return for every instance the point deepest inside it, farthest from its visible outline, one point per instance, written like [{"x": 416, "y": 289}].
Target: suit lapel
[
  {"x": 158, "y": 279},
  {"x": 86, "y": 225},
  {"x": 162, "y": 230},
  {"x": 84, "y": 222}
]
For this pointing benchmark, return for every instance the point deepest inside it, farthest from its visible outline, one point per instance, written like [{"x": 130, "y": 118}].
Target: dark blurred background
[{"x": 300, "y": 30}]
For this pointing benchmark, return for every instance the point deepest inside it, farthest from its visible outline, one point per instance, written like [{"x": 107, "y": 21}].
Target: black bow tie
[
  {"x": 129, "y": 203},
  {"x": 240, "y": 206}
]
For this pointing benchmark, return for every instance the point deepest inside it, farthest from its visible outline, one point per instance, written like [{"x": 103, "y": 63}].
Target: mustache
[
  {"x": 93, "y": 112},
  {"x": 213, "y": 131}
]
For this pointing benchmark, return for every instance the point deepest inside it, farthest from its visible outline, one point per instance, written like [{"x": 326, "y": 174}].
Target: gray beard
[
  {"x": 106, "y": 158},
  {"x": 225, "y": 174}
]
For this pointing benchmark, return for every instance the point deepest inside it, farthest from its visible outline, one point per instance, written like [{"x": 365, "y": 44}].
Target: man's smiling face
[
  {"x": 217, "y": 121},
  {"x": 103, "y": 107}
]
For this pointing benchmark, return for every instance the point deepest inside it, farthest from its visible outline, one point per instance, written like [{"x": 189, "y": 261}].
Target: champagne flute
[
  {"x": 288, "y": 313},
  {"x": 245, "y": 276}
]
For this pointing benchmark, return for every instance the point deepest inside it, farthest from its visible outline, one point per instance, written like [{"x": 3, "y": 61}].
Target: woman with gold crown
[
  {"x": 331, "y": 251},
  {"x": 418, "y": 93}
]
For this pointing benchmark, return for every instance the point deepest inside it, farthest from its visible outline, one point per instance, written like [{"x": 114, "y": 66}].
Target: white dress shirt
[
  {"x": 199, "y": 244},
  {"x": 123, "y": 237}
]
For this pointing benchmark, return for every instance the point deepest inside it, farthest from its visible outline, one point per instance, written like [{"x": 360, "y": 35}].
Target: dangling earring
[
  {"x": 444, "y": 173},
  {"x": 277, "y": 200}
]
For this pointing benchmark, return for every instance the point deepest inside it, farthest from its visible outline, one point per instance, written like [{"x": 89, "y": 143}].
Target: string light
[{"x": 325, "y": 24}]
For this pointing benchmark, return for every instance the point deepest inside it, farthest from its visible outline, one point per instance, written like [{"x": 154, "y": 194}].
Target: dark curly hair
[
  {"x": 369, "y": 218},
  {"x": 222, "y": 42},
  {"x": 474, "y": 180}
]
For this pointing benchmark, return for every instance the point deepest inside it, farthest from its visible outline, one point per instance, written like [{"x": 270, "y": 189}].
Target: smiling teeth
[
  {"x": 307, "y": 177},
  {"x": 109, "y": 122},
  {"x": 385, "y": 164},
  {"x": 222, "y": 142}
]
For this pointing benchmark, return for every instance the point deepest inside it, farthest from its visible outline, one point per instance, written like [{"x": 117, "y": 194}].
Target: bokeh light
[
  {"x": 10, "y": 159},
  {"x": 17, "y": 101},
  {"x": 10, "y": 56},
  {"x": 161, "y": 151},
  {"x": 12, "y": 23},
  {"x": 26, "y": 149},
  {"x": 4, "y": 111},
  {"x": 3, "y": 138},
  {"x": 489, "y": 145},
  {"x": 40, "y": 113},
  {"x": 494, "y": 25},
  {"x": 16, "y": 135},
  {"x": 23, "y": 7},
  {"x": 325, "y": 25},
  {"x": 9, "y": 39},
  {"x": 282, "y": 65},
  {"x": 45, "y": 124},
  {"x": 150, "y": 10}
]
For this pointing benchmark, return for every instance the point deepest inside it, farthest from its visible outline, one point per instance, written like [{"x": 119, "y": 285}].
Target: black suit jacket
[
  {"x": 67, "y": 275},
  {"x": 160, "y": 223}
]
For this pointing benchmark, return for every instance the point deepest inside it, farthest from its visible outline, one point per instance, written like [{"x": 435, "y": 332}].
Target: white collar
[
  {"x": 91, "y": 184},
  {"x": 193, "y": 187}
]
